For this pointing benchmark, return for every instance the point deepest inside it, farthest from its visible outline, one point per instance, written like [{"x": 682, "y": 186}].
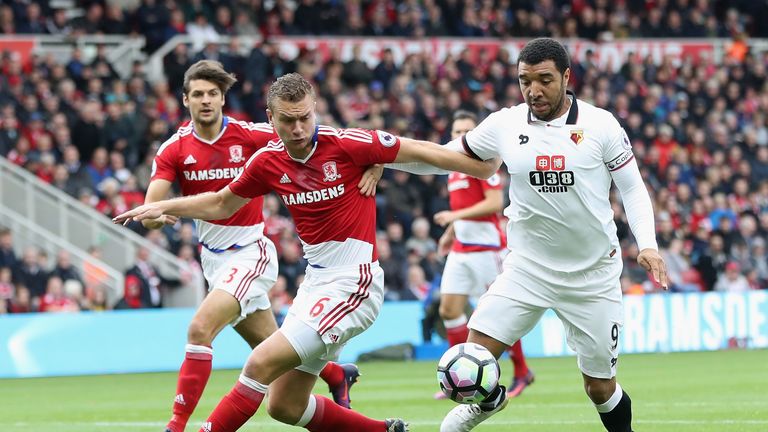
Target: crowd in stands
[
  {"x": 206, "y": 20},
  {"x": 699, "y": 129}
]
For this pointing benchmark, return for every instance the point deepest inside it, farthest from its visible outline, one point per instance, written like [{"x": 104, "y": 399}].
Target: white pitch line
[{"x": 414, "y": 423}]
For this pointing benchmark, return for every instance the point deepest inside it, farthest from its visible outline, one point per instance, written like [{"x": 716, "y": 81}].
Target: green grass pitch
[{"x": 684, "y": 392}]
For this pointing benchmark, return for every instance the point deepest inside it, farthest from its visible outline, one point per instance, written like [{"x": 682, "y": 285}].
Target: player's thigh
[
  {"x": 592, "y": 315},
  {"x": 257, "y": 326},
  {"x": 506, "y": 312},
  {"x": 247, "y": 274},
  {"x": 271, "y": 358},
  {"x": 458, "y": 277},
  {"x": 340, "y": 303},
  {"x": 452, "y": 305},
  {"x": 216, "y": 311},
  {"x": 288, "y": 395}
]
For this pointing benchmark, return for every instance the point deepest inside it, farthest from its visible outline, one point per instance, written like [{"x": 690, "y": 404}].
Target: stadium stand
[{"x": 90, "y": 125}]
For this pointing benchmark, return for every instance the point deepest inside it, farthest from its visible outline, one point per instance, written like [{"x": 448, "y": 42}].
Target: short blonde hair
[{"x": 290, "y": 88}]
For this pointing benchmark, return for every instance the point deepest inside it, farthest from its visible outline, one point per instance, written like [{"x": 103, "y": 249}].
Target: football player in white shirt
[
  {"x": 562, "y": 155},
  {"x": 313, "y": 168},
  {"x": 476, "y": 246}
]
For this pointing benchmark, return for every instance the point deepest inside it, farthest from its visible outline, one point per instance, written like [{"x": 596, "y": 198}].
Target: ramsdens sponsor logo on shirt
[
  {"x": 213, "y": 174},
  {"x": 314, "y": 196},
  {"x": 458, "y": 184}
]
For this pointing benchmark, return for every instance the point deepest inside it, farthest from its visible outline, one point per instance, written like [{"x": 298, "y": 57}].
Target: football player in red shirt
[{"x": 313, "y": 168}]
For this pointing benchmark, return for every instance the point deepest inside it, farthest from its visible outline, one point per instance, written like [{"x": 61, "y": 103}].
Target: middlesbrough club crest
[
  {"x": 236, "y": 154},
  {"x": 330, "y": 172}
]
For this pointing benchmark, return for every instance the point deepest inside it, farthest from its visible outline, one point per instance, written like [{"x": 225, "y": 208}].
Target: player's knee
[
  {"x": 284, "y": 412},
  {"x": 449, "y": 311},
  {"x": 599, "y": 391},
  {"x": 200, "y": 333}
]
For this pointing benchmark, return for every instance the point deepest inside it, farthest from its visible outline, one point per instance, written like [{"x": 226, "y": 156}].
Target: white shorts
[
  {"x": 337, "y": 304},
  {"x": 471, "y": 273},
  {"x": 247, "y": 273},
  {"x": 588, "y": 303}
]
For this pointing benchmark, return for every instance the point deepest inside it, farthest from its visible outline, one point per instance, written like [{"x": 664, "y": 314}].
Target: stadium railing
[
  {"x": 46, "y": 217},
  {"x": 120, "y": 50}
]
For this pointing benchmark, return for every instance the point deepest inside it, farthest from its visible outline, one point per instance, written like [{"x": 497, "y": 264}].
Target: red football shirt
[
  {"x": 476, "y": 234},
  {"x": 208, "y": 166},
  {"x": 336, "y": 224}
]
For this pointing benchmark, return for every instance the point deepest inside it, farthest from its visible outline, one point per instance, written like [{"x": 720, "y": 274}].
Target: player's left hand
[
  {"x": 370, "y": 179},
  {"x": 146, "y": 211},
  {"x": 443, "y": 218},
  {"x": 652, "y": 262}
]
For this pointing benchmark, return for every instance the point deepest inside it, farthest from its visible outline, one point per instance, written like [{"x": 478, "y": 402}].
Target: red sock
[
  {"x": 332, "y": 374},
  {"x": 330, "y": 417},
  {"x": 518, "y": 359},
  {"x": 239, "y": 405},
  {"x": 193, "y": 376},
  {"x": 457, "y": 335}
]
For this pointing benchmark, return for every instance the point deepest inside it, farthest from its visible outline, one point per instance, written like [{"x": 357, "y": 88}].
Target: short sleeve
[
  {"x": 617, "y": 149},
  {"x": 164, "y": 166},
  {"x": 250, "y": 183},
  {"x": 259, "y": 133},
  {"x": 492, "y": 183},
  {"x": 482, "y": 142},
  {"x": 368, "y": 147}
]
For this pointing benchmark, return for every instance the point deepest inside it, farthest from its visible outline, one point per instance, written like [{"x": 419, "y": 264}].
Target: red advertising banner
[
  {"x": 610, "y": 54},
  {"x": 18, "y": 46}
]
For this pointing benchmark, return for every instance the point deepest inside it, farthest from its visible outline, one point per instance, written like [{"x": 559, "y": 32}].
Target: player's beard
[
  {"x": 208, "y": 122},
  {"x": 555, "y": 110}
]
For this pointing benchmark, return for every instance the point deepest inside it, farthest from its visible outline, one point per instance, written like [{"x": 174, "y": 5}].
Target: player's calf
[{"x": 616, "y": 413}]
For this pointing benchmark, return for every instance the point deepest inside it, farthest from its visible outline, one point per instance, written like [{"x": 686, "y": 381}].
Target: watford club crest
[{"x": 577, "y": 136}]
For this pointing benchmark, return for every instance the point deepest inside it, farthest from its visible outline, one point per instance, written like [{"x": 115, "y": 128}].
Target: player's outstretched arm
[
  {"x": 158, "y": 189},
  {"x": 206, "y": 206},
  {"x": 449, "y": 159}
]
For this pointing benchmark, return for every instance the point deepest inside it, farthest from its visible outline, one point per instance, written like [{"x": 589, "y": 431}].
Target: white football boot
[{"x": 464, "y": 418}]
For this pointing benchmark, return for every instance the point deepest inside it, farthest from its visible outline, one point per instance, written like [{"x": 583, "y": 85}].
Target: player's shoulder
[
  {"x": 593, "y": 116},
  {"x": 344, "y": 134},
  {"x": 246, "y": 126},
  {"x": 184, "y": 132},
  {"x": 515, "y": 113}
]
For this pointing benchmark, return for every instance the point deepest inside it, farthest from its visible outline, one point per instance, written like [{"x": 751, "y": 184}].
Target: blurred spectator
[
  {"x": 22, "y": 302},
  {"x": 64, "y": 269},
  {"x": 30, "y": 273},
  {"x": 148, "y": 279},
  {"x": 732, "y": 280},
  {"x": 55, "y": 299},
  {"x": 291, "y": 264},
  {"x": 7, "y": 255},
  {"x": 132, "y": 296}
]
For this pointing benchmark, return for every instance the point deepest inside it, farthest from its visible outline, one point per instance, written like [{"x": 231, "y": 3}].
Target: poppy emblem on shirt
[
  {"x": 330, "y": 172},
  {"x": 236, "y": 154},
  {"x": 577, "y": 136}
]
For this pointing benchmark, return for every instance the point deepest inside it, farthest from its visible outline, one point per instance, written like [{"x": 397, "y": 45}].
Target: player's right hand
[
  {"x": 652, "y": 262},
  {"x": 142, "y": 212},
  {"x": 159, "y": 222},
  {"x": 444, "y": 217}
]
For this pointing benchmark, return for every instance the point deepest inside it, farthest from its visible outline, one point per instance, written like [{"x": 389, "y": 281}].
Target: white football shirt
[{"x": 559, "y": 213}]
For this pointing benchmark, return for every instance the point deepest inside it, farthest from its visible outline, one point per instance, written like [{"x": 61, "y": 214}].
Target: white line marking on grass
[{"x": 413, "y": 423}]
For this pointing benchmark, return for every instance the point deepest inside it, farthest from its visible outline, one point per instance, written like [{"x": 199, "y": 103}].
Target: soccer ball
[{"x": 467, "y": 373}]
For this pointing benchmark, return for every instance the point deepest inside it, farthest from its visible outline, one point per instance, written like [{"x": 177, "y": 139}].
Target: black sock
[
  {"x": 619, "y": 419},
  {"x": 493, "y": 400}
]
